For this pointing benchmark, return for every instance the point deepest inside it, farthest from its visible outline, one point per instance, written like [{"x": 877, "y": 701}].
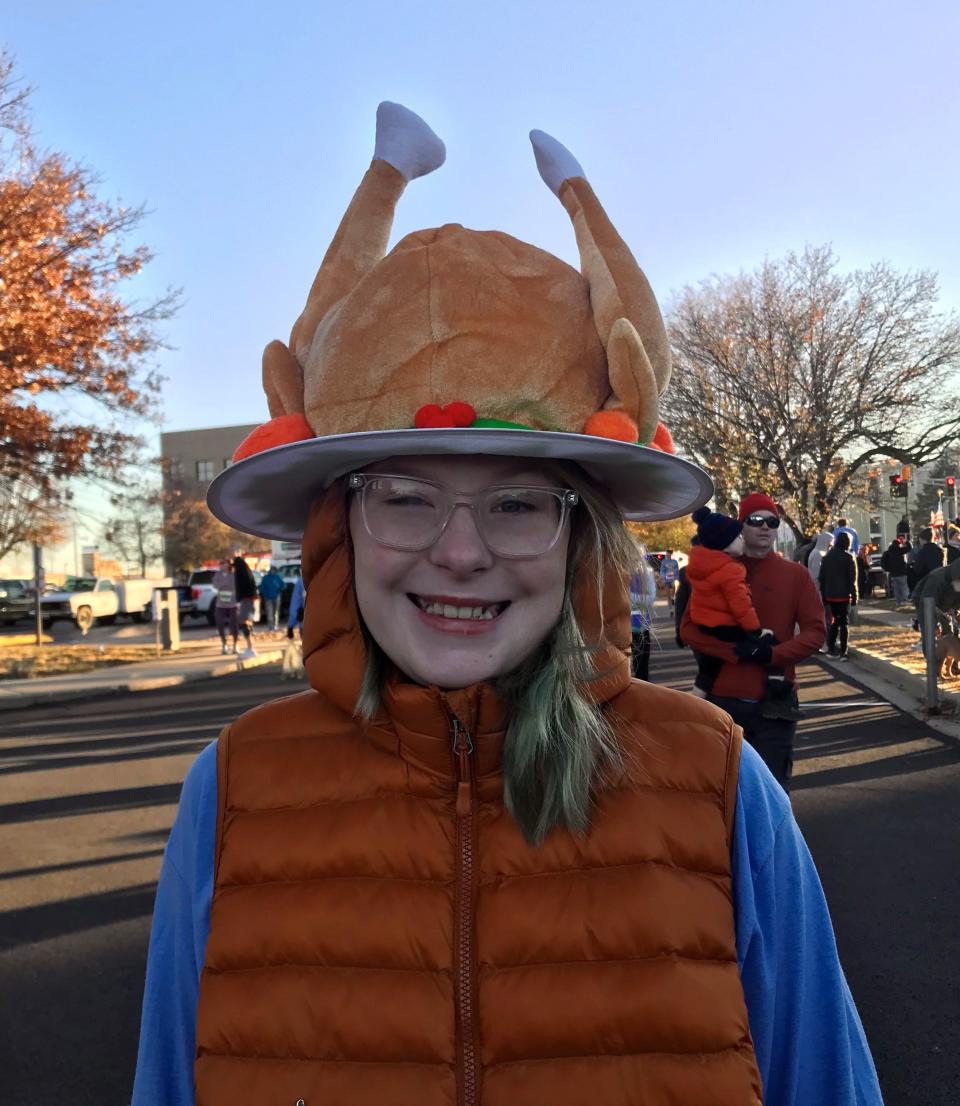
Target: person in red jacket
[
  {"x": 786, "y": 600},
  {"x": 720, "y": 604}
]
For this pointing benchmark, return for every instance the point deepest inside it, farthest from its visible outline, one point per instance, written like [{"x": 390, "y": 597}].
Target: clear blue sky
[{"x": 715, "y": 133}]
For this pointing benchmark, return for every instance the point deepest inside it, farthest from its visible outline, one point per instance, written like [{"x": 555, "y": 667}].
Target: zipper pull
[{"x": 463, "y": 747}]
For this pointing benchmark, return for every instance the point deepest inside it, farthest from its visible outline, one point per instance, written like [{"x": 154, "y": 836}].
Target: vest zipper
[{"x": 465, "y": 974}]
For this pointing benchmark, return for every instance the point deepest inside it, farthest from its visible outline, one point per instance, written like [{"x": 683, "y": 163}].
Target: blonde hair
[{"x": 559, "y": 745}]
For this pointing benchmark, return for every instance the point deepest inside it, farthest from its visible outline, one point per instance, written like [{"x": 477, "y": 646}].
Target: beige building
[{"x": 192, "y": 458}]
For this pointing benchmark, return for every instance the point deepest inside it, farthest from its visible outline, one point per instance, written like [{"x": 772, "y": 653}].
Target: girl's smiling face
[{"x": 456, "y": 614}]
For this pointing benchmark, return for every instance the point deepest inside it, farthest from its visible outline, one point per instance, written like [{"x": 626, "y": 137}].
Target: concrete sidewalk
[
  {"x": 200, "y": 661},
  {"x": 867, "y": 611}
]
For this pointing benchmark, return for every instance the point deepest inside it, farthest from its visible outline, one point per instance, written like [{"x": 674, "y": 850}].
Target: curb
[{"x": 22, "y": 700}]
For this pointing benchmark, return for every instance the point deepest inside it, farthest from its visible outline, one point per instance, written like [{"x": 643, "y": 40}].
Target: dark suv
[{"x": 16, "y": 602}]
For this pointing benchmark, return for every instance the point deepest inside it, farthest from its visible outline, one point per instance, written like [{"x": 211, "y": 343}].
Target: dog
[
  {"x": 293, "y": 661},
  {"x": 948, "y": 655}
]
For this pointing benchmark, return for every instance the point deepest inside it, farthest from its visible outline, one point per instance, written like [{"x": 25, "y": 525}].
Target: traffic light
[
  {"x": 896, "y": 484},
  {"x": 951, "y": 482}
]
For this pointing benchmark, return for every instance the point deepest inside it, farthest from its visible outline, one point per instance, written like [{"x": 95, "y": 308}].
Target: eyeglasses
[
  {"x": 513, "y": 520},
  {"x": 761, "y": 520}
]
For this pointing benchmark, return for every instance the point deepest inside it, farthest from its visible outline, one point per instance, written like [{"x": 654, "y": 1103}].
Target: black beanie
[{"x": 714, "y": 530}]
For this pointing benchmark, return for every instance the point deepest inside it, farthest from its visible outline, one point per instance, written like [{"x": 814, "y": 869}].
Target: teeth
[{"x": 448, "y": 610}]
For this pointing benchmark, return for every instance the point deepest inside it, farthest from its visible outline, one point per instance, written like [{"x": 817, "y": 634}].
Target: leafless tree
[
  {"x": 796, "y": 377},
  {"x": 134, "y": 530},
  {"x": 28, "y": 511}
]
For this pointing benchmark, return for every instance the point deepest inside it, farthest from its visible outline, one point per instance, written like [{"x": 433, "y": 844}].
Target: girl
[{"x": 476, "y": 862}]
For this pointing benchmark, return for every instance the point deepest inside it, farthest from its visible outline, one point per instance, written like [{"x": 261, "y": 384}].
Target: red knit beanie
[{"x": 756, "y": 501}]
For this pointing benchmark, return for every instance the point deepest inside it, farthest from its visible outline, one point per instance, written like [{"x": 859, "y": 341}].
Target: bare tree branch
[{"x": 795, "y": 377}]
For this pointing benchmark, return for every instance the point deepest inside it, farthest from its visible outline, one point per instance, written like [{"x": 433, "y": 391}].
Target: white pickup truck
[{"x": 85, "y": 599}]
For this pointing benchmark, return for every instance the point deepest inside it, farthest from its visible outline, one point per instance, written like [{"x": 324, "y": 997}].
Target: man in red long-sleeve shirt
[{"x": 786, "y": 600}]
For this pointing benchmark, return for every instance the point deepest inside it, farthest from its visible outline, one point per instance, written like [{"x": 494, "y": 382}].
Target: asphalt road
[{"x": 88, "y": 794}]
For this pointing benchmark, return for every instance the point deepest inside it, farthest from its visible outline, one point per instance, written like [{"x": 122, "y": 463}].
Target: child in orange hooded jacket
[{"x": 720, "y": 603}]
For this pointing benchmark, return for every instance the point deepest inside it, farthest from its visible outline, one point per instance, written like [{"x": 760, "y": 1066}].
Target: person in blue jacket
[
  {"x": 271, "y": 588},
  {"x": 844, "y": 527},
  {"x": 295, "y": 614}
]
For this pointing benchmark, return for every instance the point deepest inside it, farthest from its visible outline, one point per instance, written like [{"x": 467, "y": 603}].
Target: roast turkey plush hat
[{"x": 462, "y": 341}]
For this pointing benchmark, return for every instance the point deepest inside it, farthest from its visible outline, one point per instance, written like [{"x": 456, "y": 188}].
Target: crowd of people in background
[
  {"x": 844, "y": 571},
  {"x": 745, "y": 646}
]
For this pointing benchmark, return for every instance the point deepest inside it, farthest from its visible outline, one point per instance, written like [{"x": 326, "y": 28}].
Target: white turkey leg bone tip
[
  {"x": 406, "y": 142},
  {"x": 554, "y": 160}
]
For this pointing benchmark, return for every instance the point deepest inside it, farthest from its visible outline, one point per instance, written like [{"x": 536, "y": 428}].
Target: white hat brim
[{"x": 270, "y": 493}]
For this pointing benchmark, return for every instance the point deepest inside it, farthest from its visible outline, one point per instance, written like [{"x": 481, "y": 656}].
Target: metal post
[
  {"x": 928, "y": 632},
  {"x": 38, "y": 586},
  {"x": 906, "y": 508}
]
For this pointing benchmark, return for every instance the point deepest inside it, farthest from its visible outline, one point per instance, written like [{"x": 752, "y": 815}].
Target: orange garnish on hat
[
  {"x": 282, "y": 430},
  {"x": 612, "y": 424},
  {"x": 663, "y": 440}
]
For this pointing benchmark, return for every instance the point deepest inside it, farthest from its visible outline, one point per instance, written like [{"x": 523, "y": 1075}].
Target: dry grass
[
  {"x": 897, "y": 647},
  {"x": 25, "y": 662}
]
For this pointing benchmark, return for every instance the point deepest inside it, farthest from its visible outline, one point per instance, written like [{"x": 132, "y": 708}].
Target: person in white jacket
[
  {"x": 814, "y": 561},
  {"x": 819, "y": 551}
]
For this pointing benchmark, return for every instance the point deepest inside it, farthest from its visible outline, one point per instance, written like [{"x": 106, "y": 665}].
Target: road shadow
[
  {"x": 51, "y": 920},
  {"x": 78, "y": 865},
  {"x": 44, "y": 759},
  {"x": 70, "y": 1017},
  {"x": 94, "y": 802}
]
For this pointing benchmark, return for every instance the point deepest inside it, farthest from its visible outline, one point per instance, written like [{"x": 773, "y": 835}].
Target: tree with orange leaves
[{"x": 73, "y": 350}]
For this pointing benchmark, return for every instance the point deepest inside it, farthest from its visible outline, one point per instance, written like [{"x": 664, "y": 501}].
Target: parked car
[
  {"x": 203, "y": 593},
  {"x": 186, "y": 604},
  {"x": 16, "y": 602},
  {"x": 85, "y": 599}
]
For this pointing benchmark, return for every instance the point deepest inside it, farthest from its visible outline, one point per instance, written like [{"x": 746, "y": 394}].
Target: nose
[{"x": 460, "y": 548}]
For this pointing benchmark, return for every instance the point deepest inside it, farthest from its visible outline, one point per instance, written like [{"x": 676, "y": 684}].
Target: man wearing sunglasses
[{"x": 786, "y": 600}]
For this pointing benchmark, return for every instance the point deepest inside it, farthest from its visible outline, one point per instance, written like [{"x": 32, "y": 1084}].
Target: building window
[{"x": 204, "y": 470}]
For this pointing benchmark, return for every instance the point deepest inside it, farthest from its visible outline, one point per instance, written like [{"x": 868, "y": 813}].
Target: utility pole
[{"x": 38, "y": 584}]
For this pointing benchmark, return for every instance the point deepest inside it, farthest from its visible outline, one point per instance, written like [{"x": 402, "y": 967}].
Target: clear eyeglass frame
[{"x": 361, "y": 482}]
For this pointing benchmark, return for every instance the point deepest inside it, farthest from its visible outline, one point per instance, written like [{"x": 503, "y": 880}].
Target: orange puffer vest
[{"x": 382, "y": 934}]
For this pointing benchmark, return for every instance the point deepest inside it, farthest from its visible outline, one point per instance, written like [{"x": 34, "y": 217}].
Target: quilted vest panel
[{"x": 351, "y": 952}]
